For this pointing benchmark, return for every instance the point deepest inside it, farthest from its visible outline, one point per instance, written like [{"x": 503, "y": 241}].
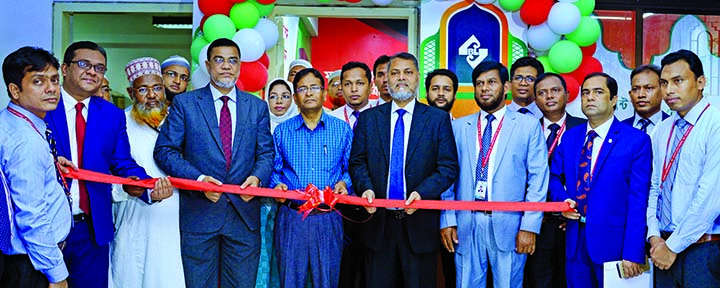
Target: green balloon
[
  {"x": 218, "y": 26},
  {"x": 511, "y": 5},
  {"x": 586, "y": 6},
  {"x": 545, "y": 61},
  {"x": 565, "y": 56},
  {"x": 196, "y": 46},
  {"x": 587, "y": 33},
  {"x": 244, "y": 15},
  {"x": 264, "y": 10}
]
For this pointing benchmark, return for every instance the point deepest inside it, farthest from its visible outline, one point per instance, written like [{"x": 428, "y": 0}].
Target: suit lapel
[
  {"x": 416, "y": 129},
  {"x": 503, "y": 139},
  {"x": 383, "y": 122},
  {"x": 241, "y": 114},
  {"x": 59, "y": 122},
  {"x": 469, "y": 141},
  {"x": 207, "y": 109},
  {"x": 610, "y": 141}
]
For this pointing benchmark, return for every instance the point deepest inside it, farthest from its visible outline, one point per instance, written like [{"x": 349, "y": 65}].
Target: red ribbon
[{"x": 314, "y": 197}]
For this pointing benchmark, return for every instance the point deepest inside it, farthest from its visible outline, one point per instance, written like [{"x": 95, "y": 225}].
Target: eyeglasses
[
  {"x": 173, "y": 74},
  {"x": 305, "y": 89},
  {"x": 528, "y": 79},
  {"x": 86, "y": 65},
  {"x": 220, "y": 60},
  {"x": 144, "y": 90}
]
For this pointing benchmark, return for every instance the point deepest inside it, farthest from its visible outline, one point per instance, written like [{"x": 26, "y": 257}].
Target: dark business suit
[
  {"x": 106, "y": 149},
  {"x": 631, "y": 120},
  {"x": 616, "y": 204},
  {"x": 546, "y": 267},
  {"x": 431, "y": 166},
  {"x": 225, "y": 233}
]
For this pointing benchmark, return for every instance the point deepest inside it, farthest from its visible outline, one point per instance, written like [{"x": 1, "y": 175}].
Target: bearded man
[{"x": 140, "y": 228}]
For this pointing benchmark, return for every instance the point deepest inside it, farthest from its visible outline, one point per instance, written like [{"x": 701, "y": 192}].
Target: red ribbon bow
[{"x": 314, "y": 197}]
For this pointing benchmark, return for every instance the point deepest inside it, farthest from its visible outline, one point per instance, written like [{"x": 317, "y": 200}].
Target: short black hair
[
  {"x": 304, "y": 72},
  {"x": 689, "y": 57},
  {"x": 609, "y": 82},
  {"x": 546, "y": 75},
  {"x": 352, "y": 65},
  {"x": 70, "y": 51},
  {"x": 405, "y": 56},
  {"x": 24, "y": 60},
  {"x": 222, "y": 42},
  {"x": 645, "y": 68},
  {"x": 383, "y": 59},
  {"x": 527, "y": 61},
  {"x": 441, "y": 72},
  {"x": 490, "y": 65}
]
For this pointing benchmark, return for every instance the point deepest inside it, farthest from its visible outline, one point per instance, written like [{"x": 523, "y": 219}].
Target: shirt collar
[
  {"x": 70, "y": 102},
  {"x": 694, "y": 115},
  {"x": 217, "y": 94},
  {"x": 547, "y": 122},
  {"x": 37, "y": 121},
  {"x": 498, "y": 114},
  {"x": 654, "y": 119},
  {"x": 603, "y": 129},
  {"x": 301, "y": 121},
  {"x": 349, "y": 110},
  {"x": 409, "y": 108}
]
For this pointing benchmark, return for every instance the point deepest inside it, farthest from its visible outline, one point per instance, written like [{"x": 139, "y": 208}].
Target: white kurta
[{"x": 146, "y": 248}]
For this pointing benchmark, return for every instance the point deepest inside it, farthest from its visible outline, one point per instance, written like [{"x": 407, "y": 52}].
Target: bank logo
[{"x": 473, "y": 51}]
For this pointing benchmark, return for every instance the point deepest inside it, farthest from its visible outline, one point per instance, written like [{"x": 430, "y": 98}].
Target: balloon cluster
[
  {"x": 244, "y": 22},
  {"x": 377, "y": 2},
  {"x": 562, "y": 33}
]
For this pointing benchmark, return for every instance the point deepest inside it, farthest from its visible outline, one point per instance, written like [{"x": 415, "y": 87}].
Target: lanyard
[
  {"x": 21, "y": 116},
  {"x": 557, "y": 139},
  {"x": 667, "y": 165},
  {"x": 347, "y": 119},
  {"x": 486, "y": 158}
]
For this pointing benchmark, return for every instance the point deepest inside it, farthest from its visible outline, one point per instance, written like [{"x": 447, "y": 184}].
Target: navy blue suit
[
  {"x": 106, "y": 150},
  {"x": 189, "y": 145},
  {"x": 617, "y": 201}
]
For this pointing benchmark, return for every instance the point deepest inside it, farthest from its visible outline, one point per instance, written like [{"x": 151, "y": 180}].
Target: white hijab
[{"x": 292, "y": 111}]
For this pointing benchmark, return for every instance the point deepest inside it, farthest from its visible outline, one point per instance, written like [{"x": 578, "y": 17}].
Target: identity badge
[{"x": 481, "y": 190}]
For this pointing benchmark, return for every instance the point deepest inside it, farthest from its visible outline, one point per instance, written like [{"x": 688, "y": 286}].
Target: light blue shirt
[
  {"x": 41, "y": 208},
  {"x": 304, "y": 156},
  {"x": 695, "y": 196},
  {"x": 534, "y": 110}
]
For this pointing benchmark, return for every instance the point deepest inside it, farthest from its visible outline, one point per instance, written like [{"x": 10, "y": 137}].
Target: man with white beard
[{"x": 141, "y": 229}]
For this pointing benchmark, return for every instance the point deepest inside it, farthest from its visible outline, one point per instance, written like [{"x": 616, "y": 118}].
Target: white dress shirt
[
  {"x": 69, "y": 102},
  {"x": 499, "y": 115},
  {"x": 602, "y": 132},
  {"x": 232, "y": 106},
  {"x": 345, "y": 113},
  {"x": 546, "y": 123},
  {"x": 407, "y": 123}
]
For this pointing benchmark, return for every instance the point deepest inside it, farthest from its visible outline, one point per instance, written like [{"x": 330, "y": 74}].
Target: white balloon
[
  {"x": 201, "y": 59},
  {"x": 268, "y": 31},
  {"x": 485, "y": 1},
  {"x": 516, "y": 18},
  {"x": 564, "y": 18},
  {"x": 200, "y": 78},
  {"x": 541, "y": 38},
  {"x": 251, "y": 43},
  {"x": 382, "y": 2},
  {"x": 568, "y": 1}
]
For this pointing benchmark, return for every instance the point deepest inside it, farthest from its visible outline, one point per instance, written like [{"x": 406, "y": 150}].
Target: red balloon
[
  {"x": 351, "y": 1},
  {"x": 265, "y": 60},
  {"x": 237, "y": 1},
  {"x": 253, "y": 76},
  {"x": 535, "y": 12},
  {"x": 588, "y": 65},
  {"x": 573, "y": 87},
  {"x": 212, "y": 7},
  {"x": 202, "y": 22},
  {"x": 589, "y": 51},
  {"x": 266, "y": 2}
]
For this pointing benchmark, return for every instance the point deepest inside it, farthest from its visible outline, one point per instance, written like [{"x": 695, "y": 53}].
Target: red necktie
[
  {"x": 80, "y": 137},
  {"x": 226, "y": 131}
]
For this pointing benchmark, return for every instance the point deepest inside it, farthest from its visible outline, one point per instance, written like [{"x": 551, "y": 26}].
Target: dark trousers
[
  {"x": 352, "y": 265},
  {"x": 447, "y": 261},
  {"x": 229, "y": 257},
  {"x": 20, "y": 273},
  {"x": 87, "y": 263},
  {"x": 395, "y": 264},
  {"x": 546, "y": 267},
  {"x": 697, "y": 266}
]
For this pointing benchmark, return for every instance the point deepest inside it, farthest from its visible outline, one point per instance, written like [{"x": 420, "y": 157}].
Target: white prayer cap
[{"x": 142, "y": 66}]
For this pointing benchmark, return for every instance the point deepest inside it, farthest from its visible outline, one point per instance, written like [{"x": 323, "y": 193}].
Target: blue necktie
[
  {"x": 554, "y": 128},
  {"x": 644, "y": 123},
  {"x": 524, "y": 110},
  {"x": 5, "y": 214},
  {"x": 585, "y": 173},
  {"x": 665, "y": 196},
  {"x": 481, "y": 173},
  {"x": 397, "y": 153},
  {"x": 357, "y": 114},
  {"x": 53, "y": 149}
]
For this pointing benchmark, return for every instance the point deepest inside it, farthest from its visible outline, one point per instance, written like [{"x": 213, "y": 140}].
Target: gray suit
[{"x": 189, "y": 146}]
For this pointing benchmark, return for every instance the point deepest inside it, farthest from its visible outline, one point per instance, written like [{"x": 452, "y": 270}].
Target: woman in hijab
[{"x": 279, "y": 96}]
